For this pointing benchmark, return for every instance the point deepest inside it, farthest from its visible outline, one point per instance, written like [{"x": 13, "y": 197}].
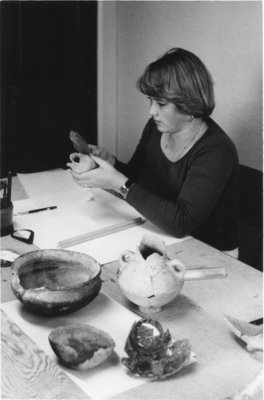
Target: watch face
[{"x": 123, "y": 191}]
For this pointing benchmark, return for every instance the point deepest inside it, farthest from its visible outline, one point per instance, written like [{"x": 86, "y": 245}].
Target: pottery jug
[{"x": 147, "y": 276}]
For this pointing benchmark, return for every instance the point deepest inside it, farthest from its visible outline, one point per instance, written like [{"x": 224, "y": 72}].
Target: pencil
[
  {"x": 9, "y": 188},
  {"x": 4, "y": 199},
  {"x": 100, "y": 233}
]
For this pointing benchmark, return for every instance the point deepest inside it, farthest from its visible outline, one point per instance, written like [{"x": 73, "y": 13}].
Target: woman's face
[{"x": 166, "y": 115}]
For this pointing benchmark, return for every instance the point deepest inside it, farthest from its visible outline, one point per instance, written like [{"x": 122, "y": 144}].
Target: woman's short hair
[{"x": 180, "y": 77}]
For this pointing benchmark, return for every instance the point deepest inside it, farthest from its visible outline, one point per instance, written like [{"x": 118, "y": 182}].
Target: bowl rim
[{"x": 19, "y": 261}]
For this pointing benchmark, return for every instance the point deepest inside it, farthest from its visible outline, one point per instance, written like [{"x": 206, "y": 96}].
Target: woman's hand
[
  {"x": 102, "y": 153},
  {"x": 81, "y": 163},
  {"x": 105, "y": 176}
]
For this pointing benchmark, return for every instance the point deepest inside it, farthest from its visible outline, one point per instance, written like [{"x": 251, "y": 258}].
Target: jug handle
[
  {"x": 125, "y": 258},
  {"x": 177, "y": 267}
]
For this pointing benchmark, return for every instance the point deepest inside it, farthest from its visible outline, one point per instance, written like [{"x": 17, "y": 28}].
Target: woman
[{"x": 183, "y": 176}]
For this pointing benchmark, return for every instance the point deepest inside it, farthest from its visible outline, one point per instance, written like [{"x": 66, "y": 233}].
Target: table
[{"x": 27, "y": 371}]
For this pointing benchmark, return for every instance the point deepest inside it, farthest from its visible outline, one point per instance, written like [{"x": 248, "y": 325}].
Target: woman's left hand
[{"x": 104, "y": 176}]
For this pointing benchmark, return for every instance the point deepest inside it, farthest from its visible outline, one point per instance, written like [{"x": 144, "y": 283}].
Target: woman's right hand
[
  {"x": 81, "y": 163},
  {"x": 99, "y": 151}
]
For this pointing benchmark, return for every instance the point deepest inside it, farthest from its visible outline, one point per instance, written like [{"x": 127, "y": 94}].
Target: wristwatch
[{"x": 123, "y": 190}]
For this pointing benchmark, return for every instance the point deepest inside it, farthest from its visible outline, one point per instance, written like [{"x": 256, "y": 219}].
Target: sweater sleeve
[{"x": 208, "y": 171}]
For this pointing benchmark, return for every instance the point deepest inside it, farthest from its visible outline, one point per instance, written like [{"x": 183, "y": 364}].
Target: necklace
[
  {"x": 177, "y": 153},
  {"x": 196, "y": 136}
]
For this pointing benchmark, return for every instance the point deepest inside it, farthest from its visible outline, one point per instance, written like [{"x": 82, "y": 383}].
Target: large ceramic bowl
[{"x": 53, "y": 282}]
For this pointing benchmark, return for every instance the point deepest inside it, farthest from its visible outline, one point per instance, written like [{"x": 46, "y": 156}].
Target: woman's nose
[{"x": 152, "y": 110}]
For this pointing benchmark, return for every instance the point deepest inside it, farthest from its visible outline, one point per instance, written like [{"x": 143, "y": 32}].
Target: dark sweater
[{"x": 195, "y": 195}]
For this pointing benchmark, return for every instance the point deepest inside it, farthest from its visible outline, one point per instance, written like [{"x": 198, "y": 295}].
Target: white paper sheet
[
  {"x": 105, "y": 380},
  {"x": 52, "y": 226},
  {"x": 70, "y": 220},
  {"x": 53, "y": 188}
]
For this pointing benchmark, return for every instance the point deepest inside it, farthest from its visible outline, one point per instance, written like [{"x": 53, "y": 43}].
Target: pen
[
  {"x": 9, "y": 188},
  {"x": 36, "y": 210}
]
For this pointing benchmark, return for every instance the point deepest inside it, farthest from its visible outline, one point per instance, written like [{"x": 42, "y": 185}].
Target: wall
[{"x": 226, "y": 35}]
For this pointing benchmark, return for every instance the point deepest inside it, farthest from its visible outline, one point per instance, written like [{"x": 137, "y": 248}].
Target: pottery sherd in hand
[{"x": 81, "y": 163}]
